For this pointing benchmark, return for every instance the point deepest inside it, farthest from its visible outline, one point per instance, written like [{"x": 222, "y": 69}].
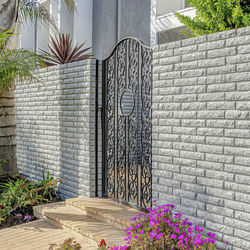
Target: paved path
[{"x": 36, "y": 235}]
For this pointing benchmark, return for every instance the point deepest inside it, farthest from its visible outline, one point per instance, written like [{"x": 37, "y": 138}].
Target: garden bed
[{"x": 18, "y": 208}]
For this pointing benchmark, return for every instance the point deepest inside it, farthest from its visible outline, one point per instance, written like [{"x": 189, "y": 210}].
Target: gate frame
[{"x": 103, "y": 128}]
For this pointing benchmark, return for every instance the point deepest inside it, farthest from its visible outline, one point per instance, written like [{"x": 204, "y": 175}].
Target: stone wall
[
  {"x": 201, "y": 132},
  {"x": 55, "y": 126}
]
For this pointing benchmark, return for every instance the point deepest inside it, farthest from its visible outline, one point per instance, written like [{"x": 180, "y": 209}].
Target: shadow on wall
[{"x": 55, "y": 127}]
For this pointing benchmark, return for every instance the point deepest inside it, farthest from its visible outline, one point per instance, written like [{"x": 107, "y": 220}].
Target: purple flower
[
  {"x": 159, "y": 236},
  {"x": 177, "y": 230},
  {"x": 124, "y": 247},
  {"x": 172, "y": 236},
  {"x": 141, "y": 232},
  {"x": 128, "y": 238},
  {"x": 184, "y": 223},
  {"x": 27, "y": 218},
  {"x": 19, "y": 216},
  {"x": 211, "y": 235},
  {"x": 139, "y": 225},
  {"x": 198, "y": 229},
  {"x": 178, "y": 215},
  {"x": 167, "y": 221},
  {"x": 181, "y": 237},
  {"x": 161, "y": 213},
  {"x": 129, "y": 229},
  {"x": 155, "y": 201},
  {"x": 227, "y": 243},
  {"x": 134, "y": 218},
  {"x": 153, "y": 234}
]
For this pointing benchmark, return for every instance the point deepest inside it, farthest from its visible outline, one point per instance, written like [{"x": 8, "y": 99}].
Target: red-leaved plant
[{"x": 62, "y": 51}]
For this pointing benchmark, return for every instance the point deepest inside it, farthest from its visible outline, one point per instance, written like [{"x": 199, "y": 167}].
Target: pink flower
[{"x": 177, "y": 230}]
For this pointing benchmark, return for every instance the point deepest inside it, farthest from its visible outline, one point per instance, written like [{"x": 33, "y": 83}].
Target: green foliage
[
  {"x": 2, "y": 161},
  {"x": 18, "y": 63},
  {"x": 46, "y": 182},
  {"x": 29, "y": 10},
  {"x": 21, "y": 193},
  {"x": 68, "y": 244},
  {"x": 216, "y": 15}
]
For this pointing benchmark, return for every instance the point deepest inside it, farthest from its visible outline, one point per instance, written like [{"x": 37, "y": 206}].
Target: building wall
[
  {"x": 114, "y": 20},
  {"x": 161, "y": 21},
  {"x": 78, "y": 24},
  {"x": 201, "y": 132},
  {"x": 101, "y": 23},
  {"x": 55, "y": 120}
]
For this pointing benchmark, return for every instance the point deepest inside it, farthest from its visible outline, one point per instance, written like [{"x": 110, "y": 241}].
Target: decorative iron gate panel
[{"x": 127, "y": 128}]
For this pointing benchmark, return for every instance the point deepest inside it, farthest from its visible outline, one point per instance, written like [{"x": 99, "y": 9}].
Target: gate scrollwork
[{"x": 127, "y": 86}]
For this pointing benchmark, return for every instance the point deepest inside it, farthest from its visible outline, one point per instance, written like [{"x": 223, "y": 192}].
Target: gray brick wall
[
  {"x": 201, "y": 132},
  {"x": 55, "y": 126}
]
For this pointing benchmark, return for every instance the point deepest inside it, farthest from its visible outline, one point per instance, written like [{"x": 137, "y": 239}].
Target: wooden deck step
[
  {"x": 89, "y": 228},
  {"x": 107, "y": 210}
]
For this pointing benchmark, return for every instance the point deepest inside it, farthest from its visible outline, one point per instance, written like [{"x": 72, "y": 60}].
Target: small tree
[
  {"x": 216, "y": 15},
  {"x": 16, "y": 63}
]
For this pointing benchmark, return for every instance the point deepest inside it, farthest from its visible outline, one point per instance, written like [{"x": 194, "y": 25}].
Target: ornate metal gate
[{"x": 127, "y": 99}]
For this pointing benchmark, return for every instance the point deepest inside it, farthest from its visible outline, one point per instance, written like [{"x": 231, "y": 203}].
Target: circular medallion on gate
[{"x": 127, "y": 103}]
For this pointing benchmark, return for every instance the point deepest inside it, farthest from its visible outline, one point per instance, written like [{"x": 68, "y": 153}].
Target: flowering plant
[{"x": 161, "y": 229}]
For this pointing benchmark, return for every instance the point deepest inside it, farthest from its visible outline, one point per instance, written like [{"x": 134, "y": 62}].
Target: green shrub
[
  {"x": 216, "y": 15},
  {"x": 69, "y": 244},
  {"x": 21, "y": 193}
]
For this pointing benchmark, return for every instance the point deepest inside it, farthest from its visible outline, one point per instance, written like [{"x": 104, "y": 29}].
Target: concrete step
[
  {"x": 88, "y": 228},
  {"x": 107, "y": 210}
]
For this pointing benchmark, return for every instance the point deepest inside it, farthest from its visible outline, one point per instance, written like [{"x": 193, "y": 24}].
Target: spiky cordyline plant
[
  {"x": 62, "y": 51},
  {"x": 18, "y": 63}
]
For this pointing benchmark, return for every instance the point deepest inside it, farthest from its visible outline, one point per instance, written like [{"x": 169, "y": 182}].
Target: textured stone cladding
[
  {"x": 201, "y": 132},
  {"x": 55, "y": 118}
]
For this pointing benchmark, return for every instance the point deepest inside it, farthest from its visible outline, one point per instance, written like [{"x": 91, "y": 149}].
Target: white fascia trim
[
  {"x": 183, "y": 11},
  {"x": 166, "y": 22}
]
